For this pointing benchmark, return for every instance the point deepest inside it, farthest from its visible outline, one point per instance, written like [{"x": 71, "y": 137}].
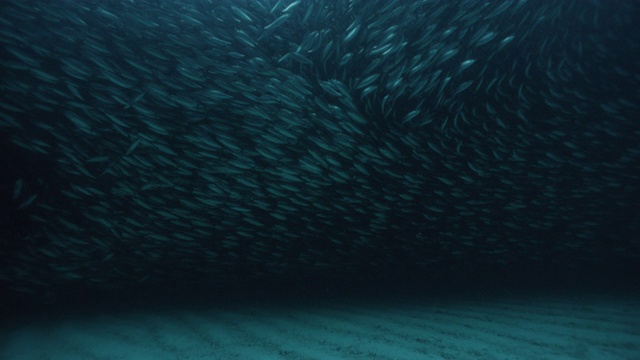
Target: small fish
[{"x": 17, "y": 189}]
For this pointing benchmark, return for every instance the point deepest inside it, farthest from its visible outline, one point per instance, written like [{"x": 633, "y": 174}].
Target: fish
[{"x": 263, "y": 138}]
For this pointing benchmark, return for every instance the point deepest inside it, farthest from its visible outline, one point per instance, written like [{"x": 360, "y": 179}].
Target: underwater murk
[{"x": 320, "y": 179}]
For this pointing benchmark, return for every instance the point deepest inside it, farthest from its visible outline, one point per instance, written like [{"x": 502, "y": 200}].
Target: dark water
[{"x": 181, "y": 151}]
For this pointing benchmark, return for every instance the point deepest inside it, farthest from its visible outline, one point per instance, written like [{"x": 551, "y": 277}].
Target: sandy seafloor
[{"x": 534, "y": 327}]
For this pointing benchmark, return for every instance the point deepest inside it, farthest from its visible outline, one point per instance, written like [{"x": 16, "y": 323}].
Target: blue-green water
[{"x": 161, "y": 151}]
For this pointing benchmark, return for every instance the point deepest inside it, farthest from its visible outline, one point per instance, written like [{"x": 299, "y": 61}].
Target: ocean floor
[{"x": 552, "y": 328}]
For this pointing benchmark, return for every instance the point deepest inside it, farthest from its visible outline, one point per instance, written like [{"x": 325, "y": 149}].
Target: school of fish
[{"x": 151, "y": 141}]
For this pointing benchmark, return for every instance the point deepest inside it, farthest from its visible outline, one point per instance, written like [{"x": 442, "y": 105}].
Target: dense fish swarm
[{"x": 154, "y": 140}]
